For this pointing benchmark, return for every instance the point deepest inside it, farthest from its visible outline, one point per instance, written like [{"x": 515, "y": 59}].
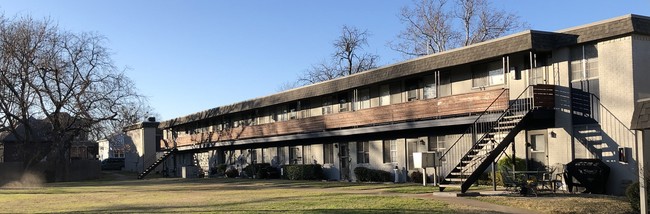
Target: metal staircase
[
  {"x": 158, "y": 161},
  {"x": 484, "y": 140}
]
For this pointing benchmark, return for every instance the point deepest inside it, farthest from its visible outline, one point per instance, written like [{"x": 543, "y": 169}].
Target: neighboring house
[
  {"x": 112, "y": 147},
  {"x": 548, "y": 97},
  {"x": 13, "y": 150}
]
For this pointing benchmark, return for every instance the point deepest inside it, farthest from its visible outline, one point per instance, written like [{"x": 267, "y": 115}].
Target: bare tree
[
  {"x": 20, "y": 42},
  {"x": 348, "y": 58},
  {"x": 66, "y": 79},
  {"x": 433, "y": 26}
]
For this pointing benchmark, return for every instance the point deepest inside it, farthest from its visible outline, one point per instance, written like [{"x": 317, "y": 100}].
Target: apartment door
[
  {"x": 344, "y": 161},
  {"x": 411, "y": 147},
  {"x": 538, "y": 150}
]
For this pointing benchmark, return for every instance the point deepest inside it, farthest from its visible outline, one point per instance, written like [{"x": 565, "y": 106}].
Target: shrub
[
  {"x": 365, "y": 174},
  {"x": 416, "y": 177},
  {"x": 632, "y": 193},
  {"x": 520, "y": 164},
  {"x": 303, "y": 172},
  {"x": 485, "y": 179},
  {"x": 218, "y": 170},
  {"x": 261, "y": 171},
  {"x": 232, "y": 172}
]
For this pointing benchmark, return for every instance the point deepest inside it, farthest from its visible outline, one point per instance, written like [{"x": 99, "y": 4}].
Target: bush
[
  {"x": 219, "y": 170},
  {"x": 365, "y": 174},
  {"x": 261, "y": 171},
  {"x": 632, "y": 193},
  {"x": 520, "y": 164},
  {"x": 416, "y": 177},
  {"x": 303, "y": 172},
  {"x": 232, "y": 172},
  {"x": 485, "y": 179}
]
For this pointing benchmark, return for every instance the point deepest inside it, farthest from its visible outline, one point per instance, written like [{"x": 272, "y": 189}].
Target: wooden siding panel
[{"x": 457, "y": 105}]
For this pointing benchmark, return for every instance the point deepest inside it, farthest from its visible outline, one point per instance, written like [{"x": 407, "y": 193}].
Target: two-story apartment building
[{"x": 550, "y": 97}]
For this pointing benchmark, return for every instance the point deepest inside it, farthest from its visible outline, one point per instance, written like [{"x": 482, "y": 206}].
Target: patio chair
[
  {"x": 546, "y": 179},
  {"x": 508, "y": 182}
]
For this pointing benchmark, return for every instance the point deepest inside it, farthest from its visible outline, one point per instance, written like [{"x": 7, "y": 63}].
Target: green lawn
[
  {"x": 211, "y": 195},
  {"x": 263, "y": 196}
]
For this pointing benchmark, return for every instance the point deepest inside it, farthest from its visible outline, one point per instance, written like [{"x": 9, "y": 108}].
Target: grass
[
  {"x": 263, "y": 196},
  {"x": 211, "y": 195},
  {"x": 565, "y": 203}
]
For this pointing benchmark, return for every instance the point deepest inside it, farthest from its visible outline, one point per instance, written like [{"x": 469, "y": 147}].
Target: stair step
[
  {"x": 460, "y": 173},
  {"x": 456, "y": 179},
  {"x": 509, "y": 122},
  {"x": 500, "y": 128},
  {"x": 516, "y": 116},
  {"x": 449, "y": 185}
]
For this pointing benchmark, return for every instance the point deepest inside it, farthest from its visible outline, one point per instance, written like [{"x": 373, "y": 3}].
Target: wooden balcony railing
[{"x": 457, "y": 105}]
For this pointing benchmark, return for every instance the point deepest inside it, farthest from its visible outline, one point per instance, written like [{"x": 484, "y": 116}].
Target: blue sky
[{"x": 188, "y": 56}]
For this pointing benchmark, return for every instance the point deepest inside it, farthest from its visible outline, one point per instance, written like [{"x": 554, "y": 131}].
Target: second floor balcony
[{"x": 418, "y": 110}]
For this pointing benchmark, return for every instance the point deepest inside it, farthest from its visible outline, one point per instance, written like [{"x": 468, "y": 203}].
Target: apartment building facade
[{"x": 548, "y": 97}]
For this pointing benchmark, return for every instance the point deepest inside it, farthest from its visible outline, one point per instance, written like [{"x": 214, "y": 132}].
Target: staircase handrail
[
  {"x": 481, "y": 115},
  {"x": 612, "y": 114},
  {"x": 471, "y": 128},
  {"x": 151, "y": 160}
]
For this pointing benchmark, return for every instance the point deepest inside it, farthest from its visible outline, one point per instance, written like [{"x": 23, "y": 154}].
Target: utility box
[{"x": 425, "y": 159}]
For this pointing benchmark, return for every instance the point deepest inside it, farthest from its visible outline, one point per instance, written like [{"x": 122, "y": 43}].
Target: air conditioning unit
[{"x": 623, "y": 153}]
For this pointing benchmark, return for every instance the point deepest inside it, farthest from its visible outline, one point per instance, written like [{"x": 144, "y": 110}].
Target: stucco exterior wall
[
  {"x": 617, "y": 75},
  {"x": 133, "y": 156},
  {"x": 641, "y": 66}
]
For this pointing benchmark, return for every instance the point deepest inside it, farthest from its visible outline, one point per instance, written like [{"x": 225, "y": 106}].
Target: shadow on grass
[{"x": 343, "y": 203}]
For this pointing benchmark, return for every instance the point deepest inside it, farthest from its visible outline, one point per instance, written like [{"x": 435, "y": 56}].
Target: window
[
  {"x": 430, "y": 87},
  {"x": 363, "y": 154},
  {"x": 537, "y": 143},
  {"x": 293, "y": 107},
  {"x": 282, "y": 112},
  {"x": 253, "y": 156},
  {"x": 390, "y": 151},
  {"x": 445, "y": 83},
  {"x": 307, "y": 157},
  {"x": 328, "y": 153},
  {"x": 412, "y": 89},
  {"x": 343, "y": 102},
  {"x": 118, "y": 154},
  {"x": 584, "y": 62},
  {"x": 384, "y": 95},
  {"x": 395, "y": 93},
  {"x": 281, "y": 156},
  {"x": 433, "y": 143},
  {"x": 364, "y": 98},
  {"x": 488, "y": 74},
  {"x": 327, "y": 105},
  {"x": 295, "y": 156},
  {"x": 437, "y": 143},
  {"x": 539, "y": 73},
  {"x": 305, "y": 108}
]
